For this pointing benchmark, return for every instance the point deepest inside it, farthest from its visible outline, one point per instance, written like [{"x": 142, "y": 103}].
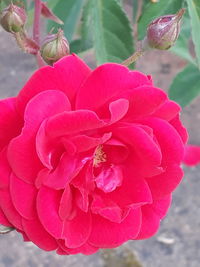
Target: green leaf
[
  {"x": 69, "y": 12},
  {"x": 186, "y": 85},
  {"x": 110, "y": 28},
  {"x": 154, "y": 10},
  {"x": 193, "y": 9},
  {"x": 181, "y": 47}
]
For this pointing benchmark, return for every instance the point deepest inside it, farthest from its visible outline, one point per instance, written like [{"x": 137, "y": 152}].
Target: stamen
[{"x": 99, "y": 156}]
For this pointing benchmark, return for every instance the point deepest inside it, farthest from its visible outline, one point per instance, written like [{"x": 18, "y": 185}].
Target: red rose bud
[
  {"x": 163, "y": 32},
  {"x": 54, "y": 47},
  {"x": 13, "y": 18}
]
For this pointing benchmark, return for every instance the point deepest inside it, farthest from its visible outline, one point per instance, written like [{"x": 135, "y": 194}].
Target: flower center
[{"x": 99, "y": 156}]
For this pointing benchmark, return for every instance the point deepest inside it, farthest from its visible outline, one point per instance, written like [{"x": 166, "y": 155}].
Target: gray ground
[{"x": 178, "y": 241}]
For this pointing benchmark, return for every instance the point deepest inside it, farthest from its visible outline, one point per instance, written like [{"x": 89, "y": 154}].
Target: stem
[
  {"x": 36, "y": 23},
  {"x": 36, "y": 30},
  {"x": 133, "y": 58}
]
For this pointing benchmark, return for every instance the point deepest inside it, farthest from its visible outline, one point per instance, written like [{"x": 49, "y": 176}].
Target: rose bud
[
  {"x": 163, "y": 32},
  {"x": 13, "y": 18},
  {"x": 54, "y": 47}
]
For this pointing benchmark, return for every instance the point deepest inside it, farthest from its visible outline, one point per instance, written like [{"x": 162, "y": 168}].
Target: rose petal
[
  {"x": 67, "y": 75},
  {"x": 48, "y": 201},
  {"x": 22, "y": 147},
  {"x": 192, "y": 155},
  {"x": 10, "y": 121},
  {"x": 3, "y": 219},
  {"x": 169, "y": 140},
  {"x": 86, "y": 249},
  {"x": 37, "y": 234},
  {"x": 165, "y": 183},
  {"x": 167, "y": 111},
  {"x": 107, "y": 234},
  {"x": 9, "y": 210},
  {"x": 5, "y": 170},
  {"x": 109, "y": 80},
  {"x": 72, "y": 122},
  {"x": 77, "y": 230},
  {"x": 23, "y": 196},
  {"x": 151, "y": 216},
  {"x": 182, "y": 131}
]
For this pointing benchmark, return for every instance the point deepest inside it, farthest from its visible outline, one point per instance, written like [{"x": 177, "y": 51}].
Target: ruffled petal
[
  {"x": 167, "y": 111},
  {"x": 176, "y": 123},
  {"x": 5, "y": 170},
  {"x": 86, "y": 249},
  {"x": 4, "y": 220}
]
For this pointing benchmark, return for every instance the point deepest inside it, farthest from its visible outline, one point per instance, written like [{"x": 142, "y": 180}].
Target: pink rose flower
[{"x": 88, "y": 159}]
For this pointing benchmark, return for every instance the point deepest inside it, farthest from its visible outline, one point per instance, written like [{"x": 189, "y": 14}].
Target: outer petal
[
  {"x": 37, "y": 234},
  {"x": 108, "y": 234},
  {"x": 165, "y": 183},
  {"x": 9, "y": 210},
  {"x": 192, "y": 155},
  {"x": 22, "y": 147},
  {"x": 86, "y": 249},
  {"x": 176, "y": 123},
  {"x": 109, "y": 80},
  {"x": 167, "y": 111},
  {"x": 170, "y": 142},
  {"x": 4, "y": 220},
  {"x": 24, "y": 197},
  {"x": 67, "y": 75},
  {"x": 5, "y": 170},
  {"x": 151, "y": 216},
  {"x": 10, "y": 121}
]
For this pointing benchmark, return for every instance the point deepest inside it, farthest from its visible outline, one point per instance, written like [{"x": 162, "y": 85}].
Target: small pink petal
[
  {"x": 118, "y": 109},
  {"x": 192, "y": 155}
]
